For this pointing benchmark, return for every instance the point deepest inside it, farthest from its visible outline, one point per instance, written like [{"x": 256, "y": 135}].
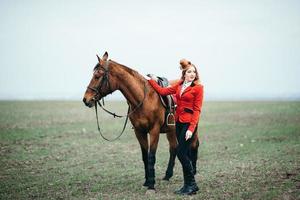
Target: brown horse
[{"x": 148, "y": 114}]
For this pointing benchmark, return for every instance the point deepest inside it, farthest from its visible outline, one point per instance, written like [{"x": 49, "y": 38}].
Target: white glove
[
  {"x": 188, "y": 134},
  {"x": 153, "y": 77},
  {"x": 146, "y": 77}
]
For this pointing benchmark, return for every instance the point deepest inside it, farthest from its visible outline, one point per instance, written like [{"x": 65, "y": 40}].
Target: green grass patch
[{"x": 52, "y": 150}]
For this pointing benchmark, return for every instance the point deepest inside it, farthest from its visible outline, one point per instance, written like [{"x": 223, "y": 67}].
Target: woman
[{"x": 189, "y": 95}]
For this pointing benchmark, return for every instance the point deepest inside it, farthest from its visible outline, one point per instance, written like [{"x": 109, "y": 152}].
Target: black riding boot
[
  {"x": 194, "y": 155},
  {"x": 191, "y": 186},
  {"x": 184, "y": 184}
]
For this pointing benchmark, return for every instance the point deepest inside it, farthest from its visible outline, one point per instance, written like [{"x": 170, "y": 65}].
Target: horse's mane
[{"x": 127, "y": 69}]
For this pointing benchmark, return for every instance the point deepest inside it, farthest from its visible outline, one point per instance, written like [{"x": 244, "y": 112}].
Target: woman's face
[{"x": 190, "y": 74}]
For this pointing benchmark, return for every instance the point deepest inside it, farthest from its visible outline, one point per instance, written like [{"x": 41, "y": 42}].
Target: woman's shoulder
[
  {"x": 198, "y": 88},
  {"x": 198, "y": 85}
]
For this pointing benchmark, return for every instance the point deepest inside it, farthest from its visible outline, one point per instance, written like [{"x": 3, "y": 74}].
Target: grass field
[{"x": 52, "y": 150}]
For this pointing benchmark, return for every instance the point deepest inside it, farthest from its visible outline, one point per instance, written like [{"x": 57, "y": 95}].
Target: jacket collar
[
  {"x": 181, "y": 83},
  {"x": 186, "y": 90}
]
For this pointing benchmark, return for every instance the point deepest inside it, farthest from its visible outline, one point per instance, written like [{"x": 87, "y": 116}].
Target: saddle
[{"x": 167, "y": 101}]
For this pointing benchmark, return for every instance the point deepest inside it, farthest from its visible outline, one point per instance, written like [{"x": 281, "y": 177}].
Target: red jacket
[{"x": 189, "y": 104}]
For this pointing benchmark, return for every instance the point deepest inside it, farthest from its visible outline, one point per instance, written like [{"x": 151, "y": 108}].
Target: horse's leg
[
  {"x": 154, "y": 137},
  {"x": 194, "y": 151},
  {"x": 143, "y": 140},
  {"x": 171, "y": 136}
]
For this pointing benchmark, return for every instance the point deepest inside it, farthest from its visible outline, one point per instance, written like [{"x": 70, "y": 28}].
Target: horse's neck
[{"x": 132, "y": 87}]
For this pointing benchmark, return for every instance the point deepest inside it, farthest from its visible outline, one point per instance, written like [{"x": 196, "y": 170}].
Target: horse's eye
[{"x": 97, "y": 77}]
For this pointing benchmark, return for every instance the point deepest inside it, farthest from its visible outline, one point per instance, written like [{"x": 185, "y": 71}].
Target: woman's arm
[{"x": 163, "y": 90}]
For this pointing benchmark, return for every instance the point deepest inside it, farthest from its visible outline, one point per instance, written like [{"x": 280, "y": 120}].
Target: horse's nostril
[{"x": 84, "y": 100}]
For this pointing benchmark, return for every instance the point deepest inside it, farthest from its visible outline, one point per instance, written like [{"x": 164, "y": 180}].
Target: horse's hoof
[{"x": 151, "y": 187}]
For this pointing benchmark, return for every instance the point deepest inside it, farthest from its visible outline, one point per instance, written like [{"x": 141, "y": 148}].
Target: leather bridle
[{"x": 105, "y": 81}]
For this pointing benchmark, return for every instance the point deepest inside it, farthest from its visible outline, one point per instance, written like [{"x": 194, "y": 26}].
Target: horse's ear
[
  {"x": 105, "y": 56},
  {"x": 99, "y": 60}
]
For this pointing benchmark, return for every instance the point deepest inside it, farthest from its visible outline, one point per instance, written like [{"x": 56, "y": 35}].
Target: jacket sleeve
[
  {"x": 163, "y": 90},
  {"x": 196, "y": 108}
]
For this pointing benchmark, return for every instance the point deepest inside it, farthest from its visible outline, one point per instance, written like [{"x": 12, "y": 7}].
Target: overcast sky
[{"x": 242, "y": 49}]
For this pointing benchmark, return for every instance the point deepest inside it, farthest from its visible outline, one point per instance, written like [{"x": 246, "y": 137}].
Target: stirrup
[{"x": 170, "y": 124}]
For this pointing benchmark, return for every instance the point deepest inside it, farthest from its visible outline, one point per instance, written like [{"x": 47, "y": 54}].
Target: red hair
[{"x": 184, "y": 66}]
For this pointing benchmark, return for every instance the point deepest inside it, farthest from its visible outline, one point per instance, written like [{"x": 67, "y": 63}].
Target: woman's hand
[
  {"x": 146, "y": 77},
  {"x": 153, "y": 77},
  {"x": 188, "y": 134}
]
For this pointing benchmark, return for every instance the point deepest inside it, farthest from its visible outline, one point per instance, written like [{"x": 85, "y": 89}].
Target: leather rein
[{"x": 105, "y": 81}]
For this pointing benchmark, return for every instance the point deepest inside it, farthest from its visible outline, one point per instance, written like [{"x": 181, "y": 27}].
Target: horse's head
[{"x": 102, "y": 82}]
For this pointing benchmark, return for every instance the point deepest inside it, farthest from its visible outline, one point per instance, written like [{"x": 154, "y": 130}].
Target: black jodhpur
[{"x": 183, "y": 154}]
